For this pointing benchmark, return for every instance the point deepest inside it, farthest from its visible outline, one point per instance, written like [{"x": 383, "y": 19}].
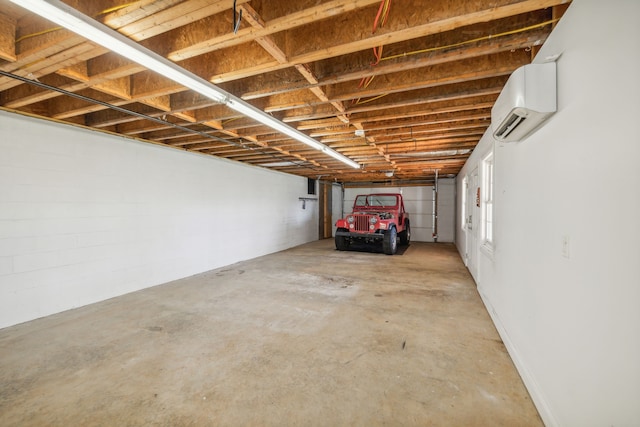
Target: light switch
[{"x": 565, "y": 246}]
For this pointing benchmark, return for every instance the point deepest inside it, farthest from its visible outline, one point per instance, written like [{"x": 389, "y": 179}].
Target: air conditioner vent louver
[
  {"x": 527, "y": 99},
  {"x": 510, "y": 124}
]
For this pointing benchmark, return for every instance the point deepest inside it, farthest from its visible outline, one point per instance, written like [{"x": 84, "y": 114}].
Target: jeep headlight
[
  {"x": 373, "y": 219},
  {"x": 350, "y": 219}
]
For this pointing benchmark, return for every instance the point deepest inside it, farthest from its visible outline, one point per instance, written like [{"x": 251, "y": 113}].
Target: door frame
[
  {"x": 325, "y": 196},
  {"x": 472, "y": 213}
]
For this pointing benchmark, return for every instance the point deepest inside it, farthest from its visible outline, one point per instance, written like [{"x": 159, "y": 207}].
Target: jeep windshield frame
[{"x": 388, "y": 201}]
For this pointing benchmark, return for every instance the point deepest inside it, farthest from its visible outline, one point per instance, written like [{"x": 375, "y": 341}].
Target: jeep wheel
[
  {"x": 405, "y": 236},
  {"x": 390, "y": 241},
  {"x": 342, "y": 243}
]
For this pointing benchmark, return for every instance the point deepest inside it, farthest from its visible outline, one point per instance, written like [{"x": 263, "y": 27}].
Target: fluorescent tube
[
  {"x": 96, "y": 32},
  {"x": 250, "y": 111},
  {"x": 338, "y": 156},
  {"x": 258, "y": 115},
  {"x": 71, "y": 19}
]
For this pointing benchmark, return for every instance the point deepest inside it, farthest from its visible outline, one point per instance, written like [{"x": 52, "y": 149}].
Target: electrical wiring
[
  {"x": 51, "y": 30},
  {"x": 359, "y": 102},
  {"x": 116, "y": 8},
  {"x": 158, "y": 120},
  {"x": 39, "y": 33},
  {"x": 377, "y": 52},
  {"x": 383, "y": 14},
  {"x": 116, "y": 108},
  {"x": 365, "y": 81},
  {"x": 106, "y": 37},
  {"x": 380, "y": 19},
  {"x": 489, "y": 37},
  {"x": 225, "y": 122}
]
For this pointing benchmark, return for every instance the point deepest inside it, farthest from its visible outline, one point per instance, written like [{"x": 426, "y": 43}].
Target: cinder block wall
[{"x": 86, "y": 216}]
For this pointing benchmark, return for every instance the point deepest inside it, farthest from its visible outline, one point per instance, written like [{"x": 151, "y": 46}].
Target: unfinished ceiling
[{"x": 403, "y": 87}]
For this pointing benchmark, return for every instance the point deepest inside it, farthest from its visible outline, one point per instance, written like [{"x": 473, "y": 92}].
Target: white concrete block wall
[
  {"x": 86, "y": 216},
  {"x": 570, "y": 318},
  {"x": 418, "y": 201}
]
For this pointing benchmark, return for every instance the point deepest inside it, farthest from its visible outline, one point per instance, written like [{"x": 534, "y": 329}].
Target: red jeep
[{"x": 375, "y": 217}]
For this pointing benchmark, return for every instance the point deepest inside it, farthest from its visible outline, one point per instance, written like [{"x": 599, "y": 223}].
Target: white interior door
[{"x": 471, "y": 222}]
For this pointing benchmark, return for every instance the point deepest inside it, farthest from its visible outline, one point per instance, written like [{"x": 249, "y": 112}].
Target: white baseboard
[{"x": 527, "y": 377}]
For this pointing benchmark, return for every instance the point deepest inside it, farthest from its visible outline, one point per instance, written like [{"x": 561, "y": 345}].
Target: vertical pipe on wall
[
  {"x": 342, "y": 201},
  {"x": 435, "y": 209}
]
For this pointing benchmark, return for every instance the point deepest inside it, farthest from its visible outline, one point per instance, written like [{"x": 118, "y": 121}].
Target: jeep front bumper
[{"x": 378, "y": 234}]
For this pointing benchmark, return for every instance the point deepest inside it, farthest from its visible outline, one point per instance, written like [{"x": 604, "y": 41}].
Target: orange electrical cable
[
  {"x": 382, "y": 15},
  {"x": 383, "y": 12},
  {"x": 365, "y": 82},
  {"x": 379, "y": 21},
  {"x": 377, "y": 52}
]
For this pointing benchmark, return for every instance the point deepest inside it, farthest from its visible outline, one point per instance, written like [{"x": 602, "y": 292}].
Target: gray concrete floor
[{"x": 308, "y": 336}]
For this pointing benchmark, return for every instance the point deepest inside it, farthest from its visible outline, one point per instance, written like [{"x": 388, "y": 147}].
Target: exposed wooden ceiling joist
[{"x": 418, "y": 88}]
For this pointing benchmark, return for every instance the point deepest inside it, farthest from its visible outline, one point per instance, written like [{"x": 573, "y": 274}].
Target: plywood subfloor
[{"x": 308, "y": 336}]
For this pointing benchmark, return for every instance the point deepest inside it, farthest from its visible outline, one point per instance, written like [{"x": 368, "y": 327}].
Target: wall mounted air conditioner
[{"x": 527, "y": 99}]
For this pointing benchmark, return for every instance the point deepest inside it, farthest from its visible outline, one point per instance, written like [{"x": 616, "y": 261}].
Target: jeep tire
[
  {"x": 390, "y": 241},
  {"x": 342, "y": 242},
  {"x": 405, "y": 236}
]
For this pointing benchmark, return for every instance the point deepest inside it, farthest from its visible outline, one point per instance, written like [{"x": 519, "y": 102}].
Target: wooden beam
[
  {"x": 177, "y": 15},
  {"x": 183, "y": 49},
  {"x": 330, "y": 36},
  {"x": 136, "y": 11},
  {"x": 71, "y": 49},
  {"x": 274, "y": 50},
  {"x": 7, "y": 38},
  {"x": 52, "y": 63},
  {"x": 64, "y": 108},
  {"x": 338, "y": 71},
  {"x": 426, "y": 115},
  {"x": 409, "y": 133},
  {"x": 473, "y": 69},
  {"x": 466, "y": 89},
  {"x": 407, "y": 110}
]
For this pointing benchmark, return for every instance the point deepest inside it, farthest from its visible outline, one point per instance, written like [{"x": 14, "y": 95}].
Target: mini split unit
[{"x": 526, "y": 101}]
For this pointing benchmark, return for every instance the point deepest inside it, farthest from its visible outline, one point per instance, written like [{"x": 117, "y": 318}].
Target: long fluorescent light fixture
[{"x": 71, "y": 19}]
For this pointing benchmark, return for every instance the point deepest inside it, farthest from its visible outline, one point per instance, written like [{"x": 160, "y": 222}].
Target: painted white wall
[
  {"x": 86, "y": 216},
  {"x": 572, "y": 323},
  {"x": 418, "y": 201}
]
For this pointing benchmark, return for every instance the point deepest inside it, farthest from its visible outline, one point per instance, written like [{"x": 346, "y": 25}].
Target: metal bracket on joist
[{"x": 236, "y": 22}]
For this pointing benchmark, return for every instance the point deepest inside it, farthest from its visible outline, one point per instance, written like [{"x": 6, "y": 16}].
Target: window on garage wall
[
  {"x": 311, "y": 186},
  {"x": 487, "y": 201}
]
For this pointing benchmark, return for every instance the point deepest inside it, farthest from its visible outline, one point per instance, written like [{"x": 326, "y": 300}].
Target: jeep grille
[{"x": 362, "y": 223}]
